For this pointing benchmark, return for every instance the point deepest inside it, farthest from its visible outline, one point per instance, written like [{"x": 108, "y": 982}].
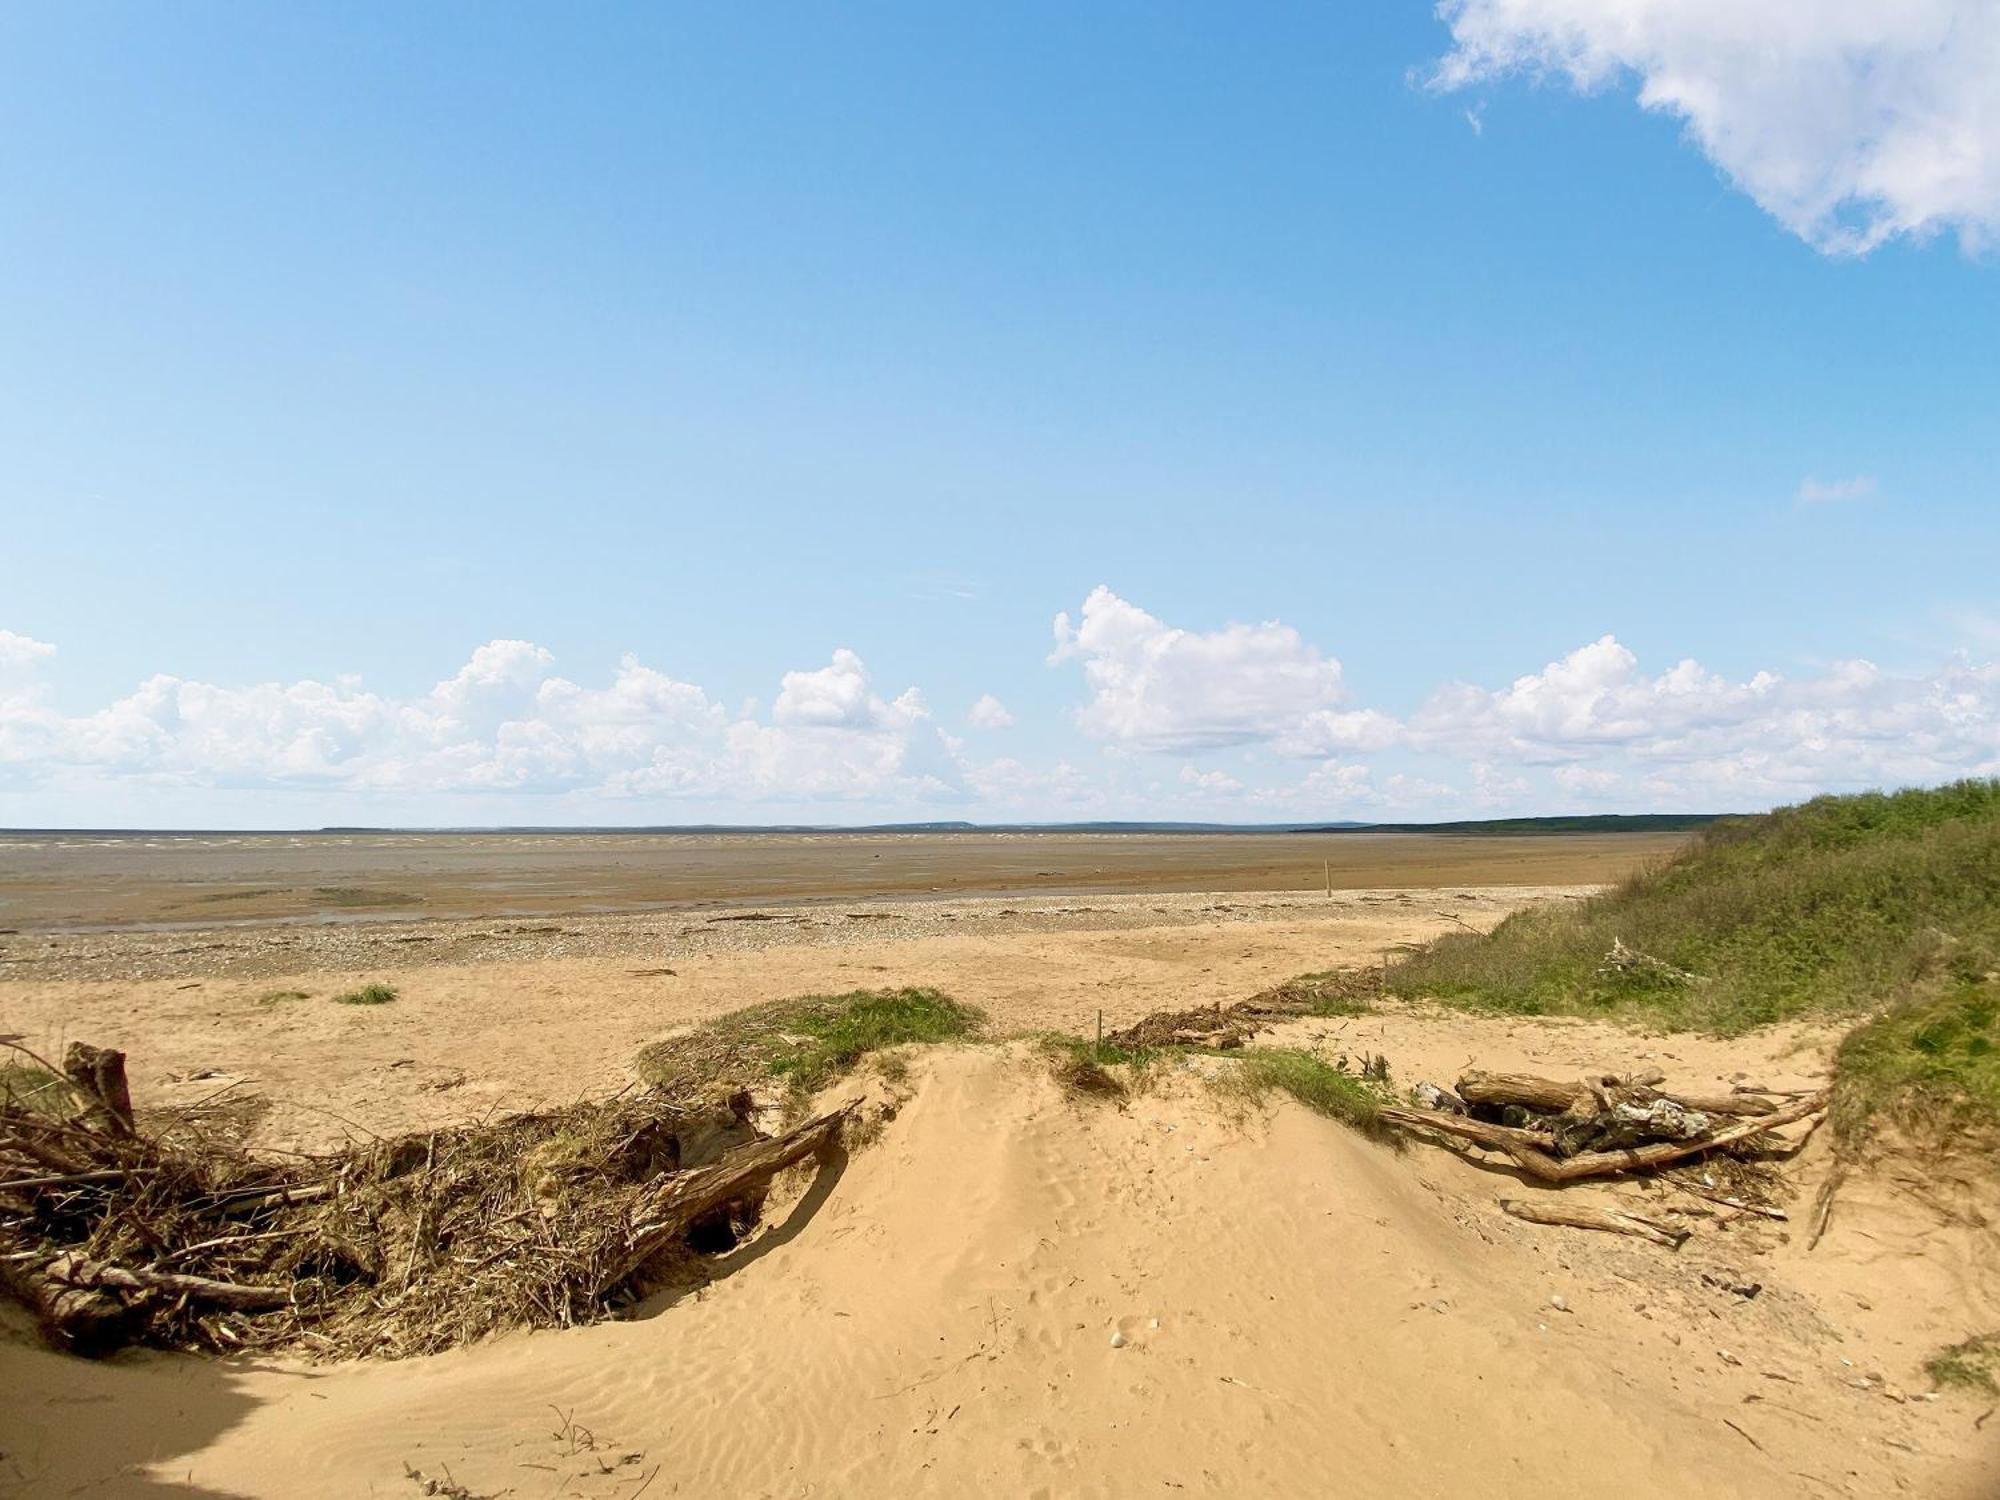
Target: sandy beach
[{"x": 935, "y": 1312}]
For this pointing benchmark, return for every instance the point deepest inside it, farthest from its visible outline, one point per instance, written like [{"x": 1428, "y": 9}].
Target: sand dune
[{"x": 1302, "y": 1313}]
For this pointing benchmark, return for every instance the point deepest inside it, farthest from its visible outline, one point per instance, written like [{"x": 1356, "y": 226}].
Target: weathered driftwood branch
[
  {"x": 1552, "y": 1096},
  {"x": 1578, "y": 1216},
  {"x": 1523, "y": 1147},
  {"x": 79, "y": 1319},
  {"x": 1741, "y": 1205},
  {"x": 89, "y": 1275},
  {"x": 1547, "y": 1096},
  {"x": 1721, "y": 1104},
  {"x": 689, "y": 1195}
]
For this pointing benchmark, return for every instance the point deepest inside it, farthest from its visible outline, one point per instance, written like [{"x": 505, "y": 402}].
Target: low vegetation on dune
[
  {"x": 367, "y": 994},
  {"x": 1932, "y": 1062},
  {"x": 1973, "y": 1365},
  {"x": 1884, "y": 905},
  {"x": 1832, "y": 906},
  {"x": 806, "y": 1042},
  {"x": 1325, "y": 1088}
]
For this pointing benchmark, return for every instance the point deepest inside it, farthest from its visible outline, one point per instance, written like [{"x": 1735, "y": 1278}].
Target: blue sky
[{"x": 653, "y": 414}]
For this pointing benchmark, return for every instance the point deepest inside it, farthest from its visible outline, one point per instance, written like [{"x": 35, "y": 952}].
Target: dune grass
[
  {"x": 281, "y": 997},
  {"x": 808, "y": 1041},
  {"x": 367, "y": 994},
  {"x": 1319, "y": 1085},
  {"x": 1931, "y": 1064},
  {"x": 1838, "y": 906}
]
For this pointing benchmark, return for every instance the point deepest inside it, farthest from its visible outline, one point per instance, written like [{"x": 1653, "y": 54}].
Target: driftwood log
[
  {"x": 1529, "y": 1150},
  {"x": 82, "y": 1274},
  {"x": 81, "y": 1320},
  {"x": 1580, "y": 1216},
  {"x": 1555, "y": 1096},
  {"x": 665, "y": 1219}
]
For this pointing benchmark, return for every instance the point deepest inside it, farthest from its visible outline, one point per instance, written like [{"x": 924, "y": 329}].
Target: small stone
[
  {"x": 1727, "y": 1358},
  {"x": 1559, "y": 1302},
  {"x": 1118, "y": 1339}
]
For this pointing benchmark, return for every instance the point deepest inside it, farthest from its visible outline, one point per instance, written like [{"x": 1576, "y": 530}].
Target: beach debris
[
  {"x": 1430, "y": 1096},
  {"x": 155, "y": 1227},
  {"x": 1579, "y": 1216},
  {"x": 1558, "y": 1131}
]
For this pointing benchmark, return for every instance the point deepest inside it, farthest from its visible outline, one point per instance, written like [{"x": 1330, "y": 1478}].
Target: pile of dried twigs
[{"x": 117, "y": 1228}]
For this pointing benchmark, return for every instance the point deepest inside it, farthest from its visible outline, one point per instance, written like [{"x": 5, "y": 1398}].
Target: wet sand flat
[{"x": 51, "y": 881}]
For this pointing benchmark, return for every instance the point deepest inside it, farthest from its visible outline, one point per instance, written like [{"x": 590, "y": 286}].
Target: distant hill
[{"x": 1593, "y": 823}]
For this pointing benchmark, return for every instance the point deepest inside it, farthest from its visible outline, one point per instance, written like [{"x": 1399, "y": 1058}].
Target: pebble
[{"x": 1118, "y": 1339}]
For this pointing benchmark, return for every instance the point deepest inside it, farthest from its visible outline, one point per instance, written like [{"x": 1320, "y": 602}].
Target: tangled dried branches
[{"x": 157, "y": 1229}]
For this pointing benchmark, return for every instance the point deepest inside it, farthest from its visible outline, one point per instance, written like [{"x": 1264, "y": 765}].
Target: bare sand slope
[{"x": 1303, "y": 1313}]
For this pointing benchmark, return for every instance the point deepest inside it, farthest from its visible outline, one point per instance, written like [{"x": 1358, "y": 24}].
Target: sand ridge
[{"x": 935, "y": 1314}]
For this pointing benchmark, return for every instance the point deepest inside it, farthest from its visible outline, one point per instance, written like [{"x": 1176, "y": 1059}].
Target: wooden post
[
  {"x": 1098, "y": 1055},
  {"x": 1329, "y": 879}
]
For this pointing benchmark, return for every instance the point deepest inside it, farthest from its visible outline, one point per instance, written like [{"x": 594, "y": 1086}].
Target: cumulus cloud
[
  {"x": 20, "y": 653},
  {"x": 1689, "y": 728},
  {"x": 1830, "y": 491},
  {"x": 1849, "y": 121},
  {"x": 989, "y": 713},
  {"x": 504, "y": 722},
  {"x": 1593, "y": 726},
  {"x": 1155, "y": 687},
  {"x": 1209, "y": 783}
]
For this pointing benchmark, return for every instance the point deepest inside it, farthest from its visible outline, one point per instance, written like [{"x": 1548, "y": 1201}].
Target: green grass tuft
[
  {"x": 1972, "y": 1365},
  {"x": 368, "y": 994},
  {"x": 1837, "y": 906},
  {"x": 1319, "y": 1085},
  {"x": 1931, "y": 1065},
  {"x": 809, "y": 1041}
]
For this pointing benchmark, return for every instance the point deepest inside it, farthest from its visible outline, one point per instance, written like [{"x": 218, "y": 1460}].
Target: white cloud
[
  {"x": 1849, "y": 121},
  {"x": 1593, "y": 726},
  {"x": 21, "y": 653},
  {"x": 505, "y": 722},
  {"x": 1209, "y": 783},
  {"x": 1154, "y": 687},
  {"x": 837, "y": 696},
  {"x": 989, "y": 713},
  {"x": 1765, "y": 737},
  {"x": 1829, "y": 491}
]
